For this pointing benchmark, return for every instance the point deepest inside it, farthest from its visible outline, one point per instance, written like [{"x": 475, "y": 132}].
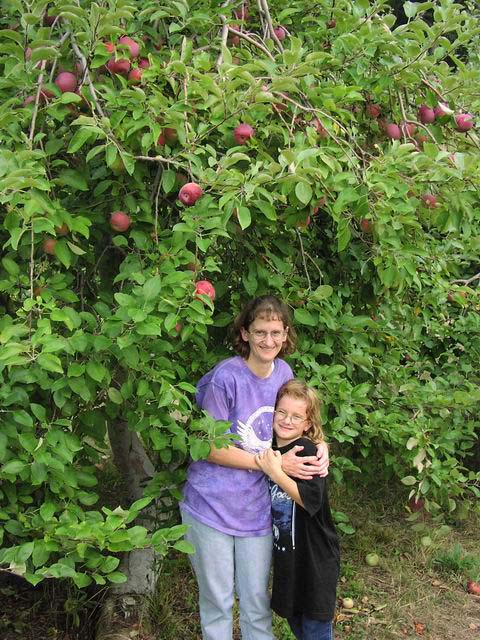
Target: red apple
[
  {"x": 366, "y": 225},
  {"x": 121, "y": 66},
  {"x": 190, "y": 193},
  {"x": 416, "y": 504},
  {"x": 66, "y": 81},
  {"x": 48, "y": 20},
  {"x": 135, "y": 76},
  {"x": 430, "y": 200},
  {"x": 426, "y": 115},
  {"x": 133, "y": 46},
  {"x": 234, "y": 40},
  {"x": 408, "y": 129},
  {"x": 442, "y": 109},
  {"x": 331, "y": 24},
  {"x": 62, "y": 230},
  {"x": 110, "y": 47},
  {"x": 464, "y": 122},
  {"x": 373, "y": 110},
  {"x": 320, "y": 204},
  {"x": 143, "y": 63},
  {"x": 473, "y": 587},
  {"x": 393, "y": 131},
  {"x": 119, "y": 221},
  {"x": 204, "y": 287},
  {"x": 178, "y": 327},
  {"x": 280, "y": 32},
  {"x": 243, "y": 133},
  {"x": 320, "y": 129},
  {"x": 48, "y": 246},
  {"x": 170, "y": 134},
  {"x": 453, "y": 294}
]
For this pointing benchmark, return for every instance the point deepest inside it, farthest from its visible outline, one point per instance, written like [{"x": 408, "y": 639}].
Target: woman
[{"x": 226, "y": 499}]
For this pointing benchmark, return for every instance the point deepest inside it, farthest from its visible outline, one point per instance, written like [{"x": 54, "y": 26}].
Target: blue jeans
[
  {"x": 223, "y": 564},
  {"x": 307, "y": 629}
]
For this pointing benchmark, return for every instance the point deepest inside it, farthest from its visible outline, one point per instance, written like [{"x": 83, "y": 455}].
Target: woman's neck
[{"x": 260, "y": 369}]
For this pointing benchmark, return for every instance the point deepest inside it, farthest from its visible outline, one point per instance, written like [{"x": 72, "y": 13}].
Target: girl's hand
[
  {"x": 270, "y": 462},
  {"x": 304, "y": 468}
]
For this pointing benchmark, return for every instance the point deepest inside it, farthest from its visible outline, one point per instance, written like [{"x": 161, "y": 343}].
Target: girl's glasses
[
  {"x": 295, "y": 419},
  {"x": 258, "y": 335}
]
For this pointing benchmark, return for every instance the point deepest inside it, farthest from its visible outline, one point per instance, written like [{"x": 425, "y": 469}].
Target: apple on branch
[
  {"x": 190, "y": 193},
  {"x": 243, "y": 133},
  {"x": 206, "y": 288},
  {"x": 48, "y": 246},
  {"x": 120, "y": 221}
]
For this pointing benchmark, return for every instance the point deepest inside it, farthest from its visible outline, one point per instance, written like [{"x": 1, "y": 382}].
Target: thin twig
[
  {"x": 224, "y": 34},
  {"x": 468, "y": 280},
  {"x": 303, "y": 258},
  {"x": 159, "y": 159},
  {"x": 252, "y": 41},
  {"x": 86, "y": 75},
  {"x": 268, "y": 19},
  {"x": 406, "y": 120},
  {"x": 37, "y": 101}
]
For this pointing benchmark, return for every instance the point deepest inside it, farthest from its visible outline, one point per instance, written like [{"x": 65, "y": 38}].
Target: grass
[{"x": 416, "y": 591}]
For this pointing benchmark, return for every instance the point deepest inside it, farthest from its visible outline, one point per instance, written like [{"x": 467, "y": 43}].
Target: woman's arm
[
  {"x": 270, "y": 462},
  {"x": 304, "y": 468},
  {"x": 233, "y": 457}
]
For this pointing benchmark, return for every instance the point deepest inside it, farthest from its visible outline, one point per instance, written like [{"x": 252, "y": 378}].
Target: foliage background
[{"x": 108, "y": 331}]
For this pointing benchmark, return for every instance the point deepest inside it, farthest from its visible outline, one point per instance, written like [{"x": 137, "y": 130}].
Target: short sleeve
[
  {"x": 214, "y": 399},
  {"x": 311, "y": 491}
]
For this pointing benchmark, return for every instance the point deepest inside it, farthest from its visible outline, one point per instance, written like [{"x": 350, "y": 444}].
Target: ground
[{"x": 417, "y": 590}]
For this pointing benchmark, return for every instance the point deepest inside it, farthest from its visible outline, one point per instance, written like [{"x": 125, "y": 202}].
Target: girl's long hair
[{"x": 299, "y": 390}]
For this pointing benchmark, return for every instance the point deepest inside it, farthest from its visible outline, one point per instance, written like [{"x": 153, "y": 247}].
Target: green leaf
[
  {"x": 96, "y": 370},
  {"x": 115, "y": 395},
  {"x": 79, "y": 138},
  {"x": 14, "y": 467},
  {"x": 303, "y": 191},
  {"x": 184, "y": 546},
  {"x": 116, "y": 577},
  {"x": 152, "y": 288},
  {"x": 49, "y": 362},
  {"x": 244, "y": 217},
  {"x": 303, "y": 316},
  {"x": 408, "y": 481}
]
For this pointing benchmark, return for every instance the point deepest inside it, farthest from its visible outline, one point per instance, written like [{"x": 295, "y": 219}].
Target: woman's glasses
[
  {"x": 295, "y": 419},
  {"x": 258, "y": 335}
]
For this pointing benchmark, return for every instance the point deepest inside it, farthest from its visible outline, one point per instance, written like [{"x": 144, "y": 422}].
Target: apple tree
[{"x": 162, "y": 162}]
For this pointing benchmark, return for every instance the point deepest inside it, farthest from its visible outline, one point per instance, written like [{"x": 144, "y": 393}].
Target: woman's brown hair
[
  {"x": 299, "y": 390},
  {"x": 267, "y": 308}
]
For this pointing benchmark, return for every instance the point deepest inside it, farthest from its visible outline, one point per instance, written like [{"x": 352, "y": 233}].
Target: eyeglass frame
[
  {"x": 265, "y": 334},
  {"x": 283, "y": 415}
]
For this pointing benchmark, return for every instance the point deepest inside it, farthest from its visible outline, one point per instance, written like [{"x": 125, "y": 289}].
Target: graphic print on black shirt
[
  {"x": 305, "y": 547},
  {"x": 283, "y": 515}
]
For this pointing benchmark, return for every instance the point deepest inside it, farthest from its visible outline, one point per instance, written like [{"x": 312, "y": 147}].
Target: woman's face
[{"x": 265, "y": 338}]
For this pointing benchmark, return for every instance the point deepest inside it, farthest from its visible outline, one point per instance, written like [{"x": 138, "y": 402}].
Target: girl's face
[
  {"x": 265, "y": 338},
  {"x": 290, "y": 419}
]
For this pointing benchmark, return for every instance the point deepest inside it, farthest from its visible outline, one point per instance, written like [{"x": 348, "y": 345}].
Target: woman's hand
[
  {"x": 270, "y": 462},
  {"x": 304, "y": 468}
]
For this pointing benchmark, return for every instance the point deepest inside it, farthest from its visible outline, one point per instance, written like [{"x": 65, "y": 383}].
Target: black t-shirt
[{"x": 306, "y": 556}]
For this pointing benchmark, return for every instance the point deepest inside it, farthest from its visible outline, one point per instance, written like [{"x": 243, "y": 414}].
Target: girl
[
  {"x": 305, "y": 547},
  {"x": 226, "y": 502}
]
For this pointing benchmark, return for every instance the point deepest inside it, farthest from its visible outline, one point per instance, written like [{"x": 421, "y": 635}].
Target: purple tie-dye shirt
[{"x": 235, "y": 501}]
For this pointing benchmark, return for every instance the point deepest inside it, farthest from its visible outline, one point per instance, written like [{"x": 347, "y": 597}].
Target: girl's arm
[{"x": 270, "y": 462}]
